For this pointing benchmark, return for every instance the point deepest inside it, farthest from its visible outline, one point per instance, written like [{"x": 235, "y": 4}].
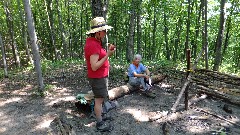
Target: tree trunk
[
  {"x": 177, "y": 40},
  {"x": 130, "y": 42},
  {"x": 97, "y": 8},
  {"x": 24, "y": 32},
  {"x": 9, "y": 19},
  {"x": 197, "y": 29},
  {"x": 63, "y": 35},
  {"x": 153, "y": 54},
  {"x": 167, "y": 54},
  {"x": 229, "y": 23},
  {"x": 3, "y": 58},
  {"x": 188, "y": 27},
  {"x": 139, "y": 28},
  {"x": 218, "y": 47},
  {"x": 33, "y": 42},
  {"x": 205, "y": 40},
  {"x": 49, "y": 12}
]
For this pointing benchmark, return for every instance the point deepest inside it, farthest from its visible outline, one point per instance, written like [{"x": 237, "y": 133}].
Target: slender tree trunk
[
  {"x": 33, "y": 42},
  {"x": 177, "y": 40},
  {"x": 188, "y": 28},
  {"x": 24, "y": 32},
  {"x": 3, "y": 57},
  {"x": 153, "y": 53},
  {"x": 229, "y": 23},
  {"x": 167, "y": 54},
  {"x": 205, "y": 35},
  {"x": 197, "y": 29},
  {"x": 63, "y": 35},
  {"x": 9, "y": 20},
  {"x": 97, "y": 8},
  {"x": 139, "y": 28},
  {"x": 130, "y": 43},
  {"x": 218, "y": 47},
  {"x": 49, "y": 12}
]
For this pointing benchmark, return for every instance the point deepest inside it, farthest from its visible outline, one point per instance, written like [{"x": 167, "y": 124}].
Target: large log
[{"x": 125, "y": 89}]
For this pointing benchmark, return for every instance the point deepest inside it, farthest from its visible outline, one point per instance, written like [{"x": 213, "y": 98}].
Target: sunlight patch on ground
[
  {"x": 163, "y": 85},
  {"x": 92, "y": 124},
  {"x": 10, "y": 100},
  {"x": 137, "y": 114},
  {"x": 68, "y": 98},
  {"x": 196, "y": 129},
  {"x": 44, "y": 124},
  {"x": 2, "y": 130}
]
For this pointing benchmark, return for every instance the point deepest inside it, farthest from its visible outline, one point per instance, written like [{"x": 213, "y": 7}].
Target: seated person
[{"x": 138, "y": 74}]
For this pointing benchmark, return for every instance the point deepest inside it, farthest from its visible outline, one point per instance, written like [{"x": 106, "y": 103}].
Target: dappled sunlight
[
  {"x": 23, "y": 91},
  {"x": 44, "y": 124},
  {"x": 67, "y": 98},
  {"x": 165, "y": 85},
  {"x": 138, "y": 114},
  {"x": 91, "y": 124},
  {"x": 196, "y": 129},
  {"x": 2, "y": 129},
  {"x": 10, "y": 100}
]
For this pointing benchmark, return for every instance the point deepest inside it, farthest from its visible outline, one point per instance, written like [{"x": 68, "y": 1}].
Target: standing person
[
  {"x": 140, "y": 75},
  {"x": 98, "y": 67}
]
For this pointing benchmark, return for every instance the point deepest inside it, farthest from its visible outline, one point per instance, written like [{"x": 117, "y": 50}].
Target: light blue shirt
[{"x": 139, "y": 70}]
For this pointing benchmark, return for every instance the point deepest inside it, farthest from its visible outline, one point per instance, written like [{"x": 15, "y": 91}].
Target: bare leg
[{"x": 98, "y": 108}]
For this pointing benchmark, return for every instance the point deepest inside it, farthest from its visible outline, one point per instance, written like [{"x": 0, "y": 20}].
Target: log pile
[{"x": 218, "y": 85}]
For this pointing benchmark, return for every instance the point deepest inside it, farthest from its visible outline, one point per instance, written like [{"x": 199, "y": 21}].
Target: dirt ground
[{"x": 24, "y": 112}]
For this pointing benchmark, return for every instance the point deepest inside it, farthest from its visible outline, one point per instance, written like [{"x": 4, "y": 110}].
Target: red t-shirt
[{"x": 94, "y": 46}]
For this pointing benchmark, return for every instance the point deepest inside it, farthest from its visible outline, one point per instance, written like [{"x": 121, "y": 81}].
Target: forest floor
[{"x": 24, "y": 112}]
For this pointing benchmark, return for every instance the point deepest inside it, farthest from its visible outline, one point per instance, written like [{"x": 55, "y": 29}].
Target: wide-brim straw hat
[{"x": 98, "y": 24}]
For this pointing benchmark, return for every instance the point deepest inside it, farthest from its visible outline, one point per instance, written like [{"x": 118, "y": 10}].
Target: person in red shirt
[{"x": 98, "y": 66}]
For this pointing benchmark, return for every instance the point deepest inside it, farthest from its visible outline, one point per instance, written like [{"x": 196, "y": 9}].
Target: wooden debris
[
  {"x": 218, "y": 94},
  {"x": 218, "y": 116}
]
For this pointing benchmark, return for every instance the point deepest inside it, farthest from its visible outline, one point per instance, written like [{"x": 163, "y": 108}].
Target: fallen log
[
  {"x": 126, "y": 89},
  {"x": 123, "y": 90}
]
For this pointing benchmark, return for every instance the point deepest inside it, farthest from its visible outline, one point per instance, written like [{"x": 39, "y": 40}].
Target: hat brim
[{"x": 99, "y": 29}]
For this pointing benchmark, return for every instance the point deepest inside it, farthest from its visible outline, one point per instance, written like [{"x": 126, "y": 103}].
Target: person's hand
[
  {"x": 147, "y": 77},
  {"x": 111, "y": 49}
]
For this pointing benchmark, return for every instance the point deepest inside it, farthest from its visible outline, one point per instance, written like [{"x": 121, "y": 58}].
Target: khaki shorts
[{"x": 99, "y": 87}]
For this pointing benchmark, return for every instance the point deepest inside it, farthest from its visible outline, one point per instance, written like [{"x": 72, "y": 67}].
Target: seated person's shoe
[{"x": 103, "y": 127}]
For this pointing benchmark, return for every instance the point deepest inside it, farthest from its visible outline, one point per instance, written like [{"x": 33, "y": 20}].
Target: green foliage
[
  {"x": 75, "y": 17},
  {"x": 42, "y": 93}
]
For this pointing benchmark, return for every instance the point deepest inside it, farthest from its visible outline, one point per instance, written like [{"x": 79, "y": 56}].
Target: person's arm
[
  {"x": 95, "y": 63},
  {"x": 147, "y": 72},
  {"x": 138, "y": 75}
]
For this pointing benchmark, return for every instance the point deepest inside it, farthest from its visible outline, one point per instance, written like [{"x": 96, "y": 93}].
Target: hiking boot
[
  {"x": 103, "y": 127},
  {"x": 149, "y": 94}
]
